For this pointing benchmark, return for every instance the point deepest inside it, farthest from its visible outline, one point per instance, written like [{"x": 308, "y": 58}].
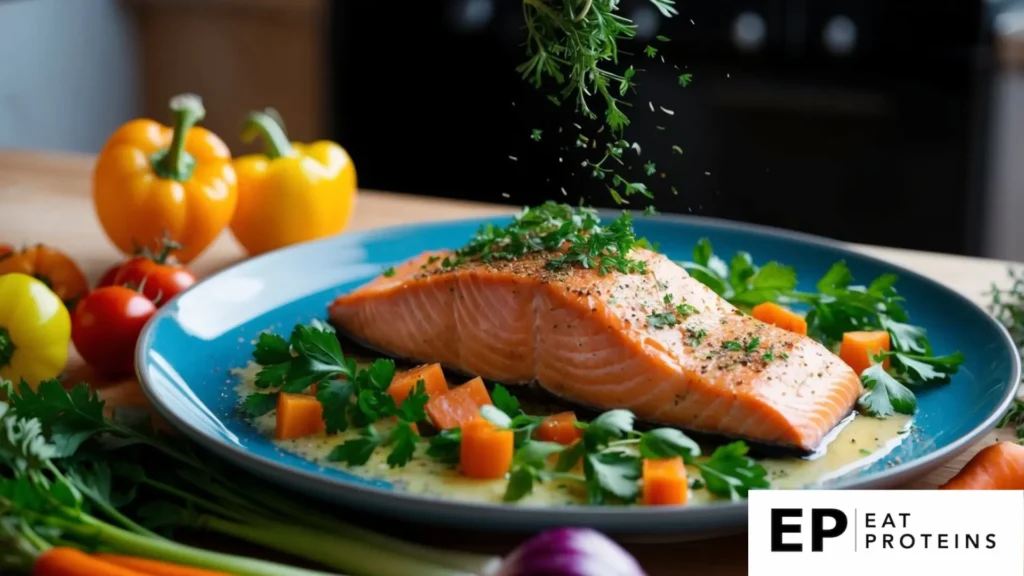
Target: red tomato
[
  {"x": 158, "y": 282},
  {"x": 105, "y": 326},
  {"x": 108, "y": 277}
]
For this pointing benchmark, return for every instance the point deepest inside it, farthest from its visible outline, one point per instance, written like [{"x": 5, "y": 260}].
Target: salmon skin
[{"x": 658, "y": 343}]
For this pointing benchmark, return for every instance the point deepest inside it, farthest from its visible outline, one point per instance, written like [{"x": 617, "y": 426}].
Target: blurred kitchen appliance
[{"x": 862, "y": 120}]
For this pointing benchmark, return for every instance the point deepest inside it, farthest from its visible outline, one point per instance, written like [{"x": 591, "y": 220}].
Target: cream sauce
[{"x": 856, "y": 443}]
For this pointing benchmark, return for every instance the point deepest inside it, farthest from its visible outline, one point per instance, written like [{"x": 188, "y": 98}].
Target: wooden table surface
[{"x": 44, "y": 197}]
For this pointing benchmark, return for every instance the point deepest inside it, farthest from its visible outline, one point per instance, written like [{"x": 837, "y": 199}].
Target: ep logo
[{"x": 820, "y": 523}]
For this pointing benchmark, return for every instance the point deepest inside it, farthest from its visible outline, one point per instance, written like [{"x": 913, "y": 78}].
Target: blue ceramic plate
[{"x": 186, "y": 351}]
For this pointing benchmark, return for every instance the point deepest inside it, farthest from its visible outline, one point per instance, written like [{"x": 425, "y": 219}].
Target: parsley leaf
[
  {"x": 389, "y": 272},
  {"x": 505, "y": 401},
  {"x": 258, "y": 404},
  {"x": 336, "y": 398},
  {"x": 404, "y": 441},
  {"x": 732, "y": 345},
  {"x": 609, "y": 425},
  {"x": 885, "y": 394},
  {"x": 668, "y": 443},
  {"x": 741, "y": 282},
  {"x": 611, "y": 473},
  {"x": 661, "y": 320},
  {"x": 445, "y": 446},
  {"x": 357, "y": 451},
  {"x": 731, "y": 473},
  {"x": 922, "y": 369},
  {"x": 271, "y": 349}
]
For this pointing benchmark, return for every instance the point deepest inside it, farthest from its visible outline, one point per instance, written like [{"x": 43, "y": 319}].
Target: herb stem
[
  {"x": 212, "y": 507},
  {"x": 330, "y": 551},
  {"x": 583, "y": 13}
]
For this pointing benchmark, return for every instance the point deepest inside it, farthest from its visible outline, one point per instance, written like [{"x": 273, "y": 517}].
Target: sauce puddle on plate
[{"x": 858, "y": 442}]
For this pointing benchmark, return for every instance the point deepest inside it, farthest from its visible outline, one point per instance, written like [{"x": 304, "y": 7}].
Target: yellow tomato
[{"x": 35, "y": 330}]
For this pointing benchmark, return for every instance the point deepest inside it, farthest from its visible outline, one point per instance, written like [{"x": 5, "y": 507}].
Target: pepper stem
[
  {"x": 6, "y": 347},
  {"x": 176, "y": 163},
  {"x": 267, "y": 125}
]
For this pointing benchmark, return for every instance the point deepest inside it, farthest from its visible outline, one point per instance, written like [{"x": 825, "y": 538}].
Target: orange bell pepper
[
  {"x": 52, "y": 267},
  {"x": 292, "y": 192},
  {"x": 153, "y": 182}
]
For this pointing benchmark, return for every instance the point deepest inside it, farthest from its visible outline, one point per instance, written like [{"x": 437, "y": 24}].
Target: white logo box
[{"x": 898, "y": 532}]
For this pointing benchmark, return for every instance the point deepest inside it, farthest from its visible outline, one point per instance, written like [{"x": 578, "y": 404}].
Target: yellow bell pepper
[
  {"x": 35, "y": 330},
  {"x": 293, "y": 192},
  {"x": 153, "y": 183}
]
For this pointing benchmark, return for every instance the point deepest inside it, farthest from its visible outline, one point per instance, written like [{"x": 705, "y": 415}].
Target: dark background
[{"x": 859, "y": 120}]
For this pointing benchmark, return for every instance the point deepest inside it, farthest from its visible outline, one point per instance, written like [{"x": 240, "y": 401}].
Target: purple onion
[{"x": 570, "y": 552}]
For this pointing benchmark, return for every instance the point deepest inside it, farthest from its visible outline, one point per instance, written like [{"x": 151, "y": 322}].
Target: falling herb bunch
[{"x": 573, "y": 42}]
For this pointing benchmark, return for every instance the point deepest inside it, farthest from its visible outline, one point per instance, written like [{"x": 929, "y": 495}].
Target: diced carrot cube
[
  {"x": 560, "y": 428},
  {"x": 485, "y": 451},
  {"x": 405, "y": 382},
  {"x": 298, "y": 415},
  {"x": 664, "y": 482},
  {"x": 458, "y": 406},
  {"x": 857, "y": 348},
  {"x": 772, "y": 313},
  {"x": 477, "y": 391}
]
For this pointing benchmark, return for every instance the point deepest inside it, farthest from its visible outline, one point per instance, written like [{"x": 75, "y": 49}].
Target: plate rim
[{"x": 593, "y": 515}]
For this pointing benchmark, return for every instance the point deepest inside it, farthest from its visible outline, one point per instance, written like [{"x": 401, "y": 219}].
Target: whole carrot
[
  {"x": 155, "y": 567},
  {"x": 62, "y": 561},
  {"x": 998, "y": 467}
]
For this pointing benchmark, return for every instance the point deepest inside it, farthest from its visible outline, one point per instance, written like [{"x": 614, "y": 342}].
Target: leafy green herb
[
  {"x": 686, "y": 310},
  {"x": 650, "y": 51},
  {"x": 662, "y": 320},
  {"x": 571, "y": 43},
  {"x": 389, "y": 272},
  {"x": 535, "y": 135},
  {"x": 885, "y": 394},
  {"x": 350, "y": 396},
  {"x": 740, "y": 282},
  {"x": 551, "y": 227},
  {"x": 732, "y": 345},
  {"x": 445, "y": 445},
  {"x": 752, "y": 344},
  {"x": 72, "y": 476},
  {"x": 685, "y": 79},
  {"x": 730, "y": 473},
  {"x": 505, "y": 401},
  {"x": 650, "y": 168},
  {"x": 258, "y": 404},
  {"x": 697, "y": 336}
]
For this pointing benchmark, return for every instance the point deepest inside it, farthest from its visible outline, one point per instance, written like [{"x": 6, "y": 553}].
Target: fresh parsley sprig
[
  {"x": 740, "y": 282},
  {"x": 350, "y": 395}
]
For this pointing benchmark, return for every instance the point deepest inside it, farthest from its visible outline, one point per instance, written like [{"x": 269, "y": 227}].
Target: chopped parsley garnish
[
  {"x": 685, "y": 79},
  {"x": 573, "y": 237},
  {"x": 696, "y": 336},
  {"x": 389, "y": 272},
  {"x": 752, "y": 344},
  {"x": 885, "y": 395},
  {"x": 650, "y": 168},
  {"x": 686, "y": 310},
  {"x": 535, "y": 135},
  {"x": 732, "y": 345},
  {"x": 662, "y": 320}
]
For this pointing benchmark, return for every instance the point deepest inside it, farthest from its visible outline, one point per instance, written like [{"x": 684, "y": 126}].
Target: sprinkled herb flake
[
  {"x": 732, "y": 345},
  {"x": 752, "y": 345},
  {"x": 685, "y": 79},
  {"x": 535, "y": 135},
  {"x": 389, "y": 272},
  {"x": 686, "y": 310},
  {"x": 661, "y": 320}
]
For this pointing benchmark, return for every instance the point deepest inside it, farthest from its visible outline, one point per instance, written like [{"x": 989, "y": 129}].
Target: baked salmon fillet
[{"x": 658, "y": 343}]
